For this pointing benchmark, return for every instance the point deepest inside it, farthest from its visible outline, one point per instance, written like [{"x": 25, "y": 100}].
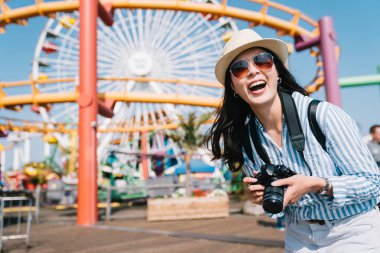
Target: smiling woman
[{"x": 263, "y": 121}]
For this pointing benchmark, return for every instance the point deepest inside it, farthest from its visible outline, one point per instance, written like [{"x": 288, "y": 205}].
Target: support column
[
  {"x": 88, "y": 110},
  {"x": 26, "y": 149},
  {"x": 2, "y": 161},
  {"x": 330, "y": 65},
  {"x": 16, "y": 157},
  {"x": 144, "y": 157}
]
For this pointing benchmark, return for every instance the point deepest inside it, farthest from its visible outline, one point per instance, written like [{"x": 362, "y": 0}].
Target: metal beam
[
  {"x": 47, "y": 8},
  {"x": 49, "y": 98},
  {"x": 359, "y": 81}
]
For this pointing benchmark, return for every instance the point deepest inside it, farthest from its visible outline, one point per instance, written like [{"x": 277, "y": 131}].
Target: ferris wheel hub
[{"x": 140, "y": 63}]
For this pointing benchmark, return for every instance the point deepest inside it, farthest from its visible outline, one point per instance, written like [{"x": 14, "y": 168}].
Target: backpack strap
[
  {"x": 312, "y": 117},
  {"x": 292, "y": 121}
]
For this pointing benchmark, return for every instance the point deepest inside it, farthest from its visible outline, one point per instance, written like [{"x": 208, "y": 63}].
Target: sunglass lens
[
  {"x": 240, "y": 68},
  {"x": 263, "y": 61}
]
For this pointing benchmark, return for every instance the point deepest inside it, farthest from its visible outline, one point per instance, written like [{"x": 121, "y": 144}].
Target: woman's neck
[{"x": 270, "y": 115}]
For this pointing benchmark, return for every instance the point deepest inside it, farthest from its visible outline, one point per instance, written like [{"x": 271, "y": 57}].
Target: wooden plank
[{"x": 187, "y": 208}]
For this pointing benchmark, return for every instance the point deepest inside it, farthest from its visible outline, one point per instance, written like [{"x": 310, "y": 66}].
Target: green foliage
[{"x": 188, "y": 134}]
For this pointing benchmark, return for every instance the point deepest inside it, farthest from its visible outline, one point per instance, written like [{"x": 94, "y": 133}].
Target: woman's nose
[{"x": 252, "y": 69}]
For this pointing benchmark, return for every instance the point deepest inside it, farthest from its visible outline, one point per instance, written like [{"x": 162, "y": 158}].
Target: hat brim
[{"x": 278, "y": 47}]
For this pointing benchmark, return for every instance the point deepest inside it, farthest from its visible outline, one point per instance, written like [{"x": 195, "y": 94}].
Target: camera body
[{"x": 273, "y": 195}]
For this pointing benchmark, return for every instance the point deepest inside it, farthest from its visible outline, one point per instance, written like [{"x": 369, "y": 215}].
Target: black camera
[{"x": 273, "y": 195}]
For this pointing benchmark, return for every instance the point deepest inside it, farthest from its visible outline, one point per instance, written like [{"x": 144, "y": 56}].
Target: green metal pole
[{"x": 359, "y": 81}]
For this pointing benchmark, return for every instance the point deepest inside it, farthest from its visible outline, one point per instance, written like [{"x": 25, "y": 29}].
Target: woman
[{"x": 330, "y": 204}]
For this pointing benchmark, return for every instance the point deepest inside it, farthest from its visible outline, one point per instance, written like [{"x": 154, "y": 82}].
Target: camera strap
[
  {"x": 256, "y": 142},
  {"x": 293, "y": 124}
]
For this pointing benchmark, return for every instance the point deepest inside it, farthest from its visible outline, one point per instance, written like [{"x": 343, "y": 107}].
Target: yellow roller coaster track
[
  {"x": 261, "y": 17},
  {"x": 42, "y": 127}
]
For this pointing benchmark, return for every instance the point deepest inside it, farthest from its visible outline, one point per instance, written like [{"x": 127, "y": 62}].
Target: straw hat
[{"x": 243, "y": 40}]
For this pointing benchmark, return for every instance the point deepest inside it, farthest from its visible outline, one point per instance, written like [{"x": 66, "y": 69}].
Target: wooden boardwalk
[{"x": 129, "y": 231}]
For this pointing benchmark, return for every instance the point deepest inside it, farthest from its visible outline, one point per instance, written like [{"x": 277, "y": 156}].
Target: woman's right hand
[{"x": 255, "y": 191}]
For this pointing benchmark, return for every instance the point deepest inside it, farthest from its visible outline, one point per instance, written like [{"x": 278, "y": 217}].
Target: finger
[
  {"x": 249, "y": 180},
  {"x": 286, "y": 202},
  {"x": 256, "y": 194},
  {"x": 282, "y": 182},
  {"x": 256, "y": 187},
  {"x": 288, "y": 196}
]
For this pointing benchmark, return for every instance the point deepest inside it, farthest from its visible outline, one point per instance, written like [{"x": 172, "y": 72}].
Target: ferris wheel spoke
[
  {"x": 163, "y": 29},
  {"x": 156, "y": 33},
  {"x": 192, "y": 46},
  {"x": 147, "y": 24},
  {"x": 108, "y": 38},
  {"x": 109, "y": 54},
  {"x": 123, "y": 22},
  {"x": 122, "y": 31},
  {"x": 140, "y": 25},
  {"x": 200, "y": 37},
  {"x": 133, "y": 30},
  {"x": 109, "y": 41},
  {"x": 183, "y": 32},
  {"x": 203, "y": 59},
  {"x": 183, "y": 29},
  {"x": 64, "y": 114},
  {"x": 68, "y": 53}
]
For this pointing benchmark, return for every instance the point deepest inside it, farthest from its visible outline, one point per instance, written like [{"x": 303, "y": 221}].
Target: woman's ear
[
  {"x": 232, "y": 87},
  {"x": 234, "y": 92}
]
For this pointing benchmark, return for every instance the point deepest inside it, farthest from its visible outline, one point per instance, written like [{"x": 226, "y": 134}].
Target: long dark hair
[{"x": 229, "y": 125}]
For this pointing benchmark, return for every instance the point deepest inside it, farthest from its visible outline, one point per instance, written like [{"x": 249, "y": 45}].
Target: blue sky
[{"x": 356, "y": 24}]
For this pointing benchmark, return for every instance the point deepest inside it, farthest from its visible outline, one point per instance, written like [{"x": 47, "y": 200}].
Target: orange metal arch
[
  {"x": 48, "y": 98},
  {"x": 137, "y": 79},
  {"x": 291, "y": 28}
]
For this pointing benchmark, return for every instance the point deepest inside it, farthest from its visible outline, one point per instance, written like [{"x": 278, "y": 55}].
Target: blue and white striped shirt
[{"x": 348, "y": 165}]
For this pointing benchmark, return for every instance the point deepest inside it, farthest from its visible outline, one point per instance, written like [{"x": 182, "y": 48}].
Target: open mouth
[{"x": 257, "y": 86}]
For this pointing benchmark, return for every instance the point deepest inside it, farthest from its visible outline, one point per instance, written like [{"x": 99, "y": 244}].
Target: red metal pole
[
  {"x": 330, "y": 65},
  {"x": 88, "y": 110}
]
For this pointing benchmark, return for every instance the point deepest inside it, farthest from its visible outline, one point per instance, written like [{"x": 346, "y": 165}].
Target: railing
[
  {"x": 15, "y": 218},
  {"x": 64, "y": 196}
]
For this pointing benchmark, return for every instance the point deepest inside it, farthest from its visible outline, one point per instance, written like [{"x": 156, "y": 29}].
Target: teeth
[{"x": 256, "y": 83}]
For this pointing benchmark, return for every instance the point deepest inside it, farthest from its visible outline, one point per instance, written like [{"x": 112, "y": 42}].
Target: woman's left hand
[{"x": 297, "y": 186}]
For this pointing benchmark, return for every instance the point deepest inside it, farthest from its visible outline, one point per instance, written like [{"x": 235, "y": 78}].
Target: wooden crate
[{"x": 187, "y": 208}]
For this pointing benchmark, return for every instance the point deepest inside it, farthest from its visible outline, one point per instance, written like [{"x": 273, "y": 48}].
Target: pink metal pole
[
  {"x": 88, "y": 110},
  {"x": 330, "y": 65}
]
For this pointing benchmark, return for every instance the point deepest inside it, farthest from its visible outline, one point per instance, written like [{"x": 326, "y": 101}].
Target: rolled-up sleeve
[{"x": 359, "y": 178}]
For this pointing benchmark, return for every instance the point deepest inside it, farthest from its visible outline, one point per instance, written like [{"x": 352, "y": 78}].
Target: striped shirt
[{"x": 348, "y": 164}]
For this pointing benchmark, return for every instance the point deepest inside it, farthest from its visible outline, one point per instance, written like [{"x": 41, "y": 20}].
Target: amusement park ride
[{"x": 143, "y": 64}]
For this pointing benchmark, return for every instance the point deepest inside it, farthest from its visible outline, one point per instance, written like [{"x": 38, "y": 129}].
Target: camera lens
[{"x": 273, "y": 199}]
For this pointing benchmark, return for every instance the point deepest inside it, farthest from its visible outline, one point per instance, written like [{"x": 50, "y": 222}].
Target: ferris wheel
[{"x": 142, "y": 52}]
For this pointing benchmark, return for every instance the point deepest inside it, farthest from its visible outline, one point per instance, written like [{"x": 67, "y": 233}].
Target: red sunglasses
[{"x": 263, "y": 61}]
